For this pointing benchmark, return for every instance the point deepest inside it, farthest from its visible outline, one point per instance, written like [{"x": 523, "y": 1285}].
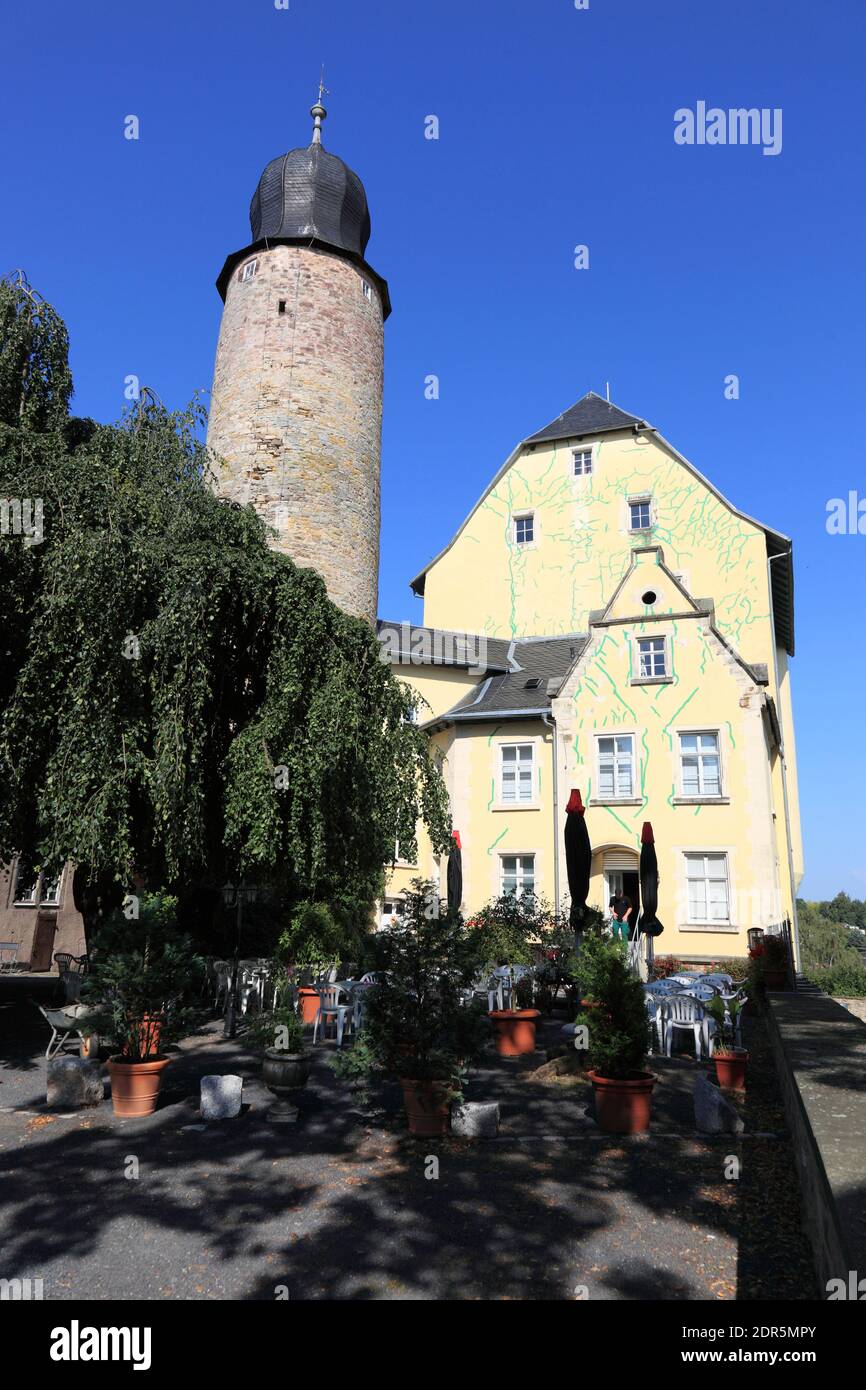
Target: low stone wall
[
  {"x": 820, "y": 1053},
  {"x": 856, "y": 1007}
]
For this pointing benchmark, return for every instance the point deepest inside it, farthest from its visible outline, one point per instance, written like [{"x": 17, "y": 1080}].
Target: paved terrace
[{"x": 339, "y": 1207}]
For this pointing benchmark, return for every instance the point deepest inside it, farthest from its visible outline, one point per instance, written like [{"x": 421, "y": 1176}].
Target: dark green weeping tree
[{"x": 179, "y": 704}]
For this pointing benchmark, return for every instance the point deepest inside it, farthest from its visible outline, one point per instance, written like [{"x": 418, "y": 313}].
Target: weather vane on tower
[{"x": 318, "y": 111}]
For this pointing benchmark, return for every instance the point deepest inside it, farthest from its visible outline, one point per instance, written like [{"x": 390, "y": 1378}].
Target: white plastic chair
[
  {"x": 331, "y": 1008},
  {"x": 682, "y": 1011},
  {"x": 655, "y": 1018},
  {"x": 372, "y": 977}
]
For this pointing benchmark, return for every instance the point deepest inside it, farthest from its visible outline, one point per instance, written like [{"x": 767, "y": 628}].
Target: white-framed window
[
  {"x": 652, "y": 655},
  {"x": 616, "y": 772},
  {"x": 393, "y": 912},
  {"x": 517, "y": 874},
  {"x": 640, "y": 514},
  {"x": 707, "y": 888},
  {"x": 50, "y": 890},
  {"x": 247, "y": 271},
  {"x": 582, "y": 462},
  {"x": 34, "y": 889},
  {"x": 26, "y": 893},
  {"x": 516, "y": 774},
  {"x": 366, "y": 289},
  {"x": 700, "y": 767},
  {"x": 524, "y": 529}
]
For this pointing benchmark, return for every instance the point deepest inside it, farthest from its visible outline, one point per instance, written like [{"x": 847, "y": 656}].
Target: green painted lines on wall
[{"x": 491, "y": 847}]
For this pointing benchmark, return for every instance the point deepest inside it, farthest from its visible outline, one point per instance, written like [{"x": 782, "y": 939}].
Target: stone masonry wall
[{"x": 296, "y": 412}]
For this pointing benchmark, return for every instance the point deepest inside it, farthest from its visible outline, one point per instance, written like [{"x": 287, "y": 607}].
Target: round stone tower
[{"x": 296, "y": 408}]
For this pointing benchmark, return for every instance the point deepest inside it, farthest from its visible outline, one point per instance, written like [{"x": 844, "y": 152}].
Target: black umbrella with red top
[{"x": 578, "y": 859}]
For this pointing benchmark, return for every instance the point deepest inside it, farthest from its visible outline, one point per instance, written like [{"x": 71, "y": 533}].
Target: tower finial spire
[{"x": 318, "y": 111}]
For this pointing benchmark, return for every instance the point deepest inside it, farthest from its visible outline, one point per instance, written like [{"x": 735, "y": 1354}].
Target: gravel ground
[{"x": 344, "y": 1205}]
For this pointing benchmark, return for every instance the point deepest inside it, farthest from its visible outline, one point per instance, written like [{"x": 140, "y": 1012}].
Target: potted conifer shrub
[
  {"x": 418, "y": 1027},
  {"x": 616, "y": 1025},
  {"x": 142, "y": 986}
]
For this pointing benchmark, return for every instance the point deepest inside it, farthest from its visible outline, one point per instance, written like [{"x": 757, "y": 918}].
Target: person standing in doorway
[{"x": 620, "y": 912}]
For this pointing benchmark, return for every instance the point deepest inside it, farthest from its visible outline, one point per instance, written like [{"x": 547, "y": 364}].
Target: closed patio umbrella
[
  {"x": 578, "y": 859},
  {"x": 454, "y": 877},
  {"x": 648, "y": 924}
]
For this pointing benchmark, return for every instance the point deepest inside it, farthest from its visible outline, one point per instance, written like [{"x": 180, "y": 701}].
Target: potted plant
[
  {"x": 143, "y": 978},
  {"x": 287, "y": 1062},
  {"x": 768, "y": 964},
  {"x": 510, "y": 931},
  {"x": 617, "y": 1033},
  {"x": 317, "y": 937},
  {"x": 417, "y": 1027},
  {"x": 730, "y": 1061}
]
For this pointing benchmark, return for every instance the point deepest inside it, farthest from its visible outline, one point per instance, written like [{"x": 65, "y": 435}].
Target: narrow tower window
[
  {"x": 247, "y": 271},
  {"x": 281, "y": 306},
  {"x": 367, "y": 289}
]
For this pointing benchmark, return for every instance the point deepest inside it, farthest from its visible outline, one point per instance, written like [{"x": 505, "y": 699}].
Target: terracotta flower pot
[
  {"x": 426, "y": 1105},
  {"x": 623, "y": 1107},
  {"x": 731, "y": 1069},
  {"x": 515, "y": 1031},
  {"x": 135, "y": 1085},
  {"x": 309, "y": 1004}
]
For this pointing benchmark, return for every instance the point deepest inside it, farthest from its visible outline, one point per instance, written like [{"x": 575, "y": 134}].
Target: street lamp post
[{"x": 235, "y": 895}]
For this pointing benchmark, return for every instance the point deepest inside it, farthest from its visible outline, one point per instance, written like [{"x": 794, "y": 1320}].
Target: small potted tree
[
  {"x": 729, "y": 1060},
  {"x": 510, "y": 930},
  {"x": 317, "y": 937},
  {"x": 143, "y": 981},
  {"x": 616, "y": 1025},
  {"x": 287, "y": 1062},
  {"x": 417, "y": 1026}
]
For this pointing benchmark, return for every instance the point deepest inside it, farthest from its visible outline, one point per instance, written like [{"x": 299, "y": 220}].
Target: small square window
[
  {"x": 640, "y": 518},
  {"x": 247, "y": 271},
  {"x": 281, "y": 306},
  {"x": 652, "y": 657},
  {"x": 524, "y": 530},
  {"x": 582, "y": 462},
  {"x": 517, "y": 875}
]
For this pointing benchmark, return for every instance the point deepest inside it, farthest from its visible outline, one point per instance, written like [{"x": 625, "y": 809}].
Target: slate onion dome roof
[
  {"x": 311, "y": 193},
  {"x": 312, "y": 197}
]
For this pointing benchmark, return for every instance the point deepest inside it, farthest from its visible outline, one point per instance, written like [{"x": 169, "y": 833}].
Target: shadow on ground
[{"x": 346, "y": 1206}]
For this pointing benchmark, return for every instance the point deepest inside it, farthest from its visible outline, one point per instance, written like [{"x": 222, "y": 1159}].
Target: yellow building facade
[{"x": 605, "y": 619}]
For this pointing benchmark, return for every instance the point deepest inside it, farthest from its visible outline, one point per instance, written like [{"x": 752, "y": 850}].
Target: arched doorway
[{"x": 620, "y": 875}]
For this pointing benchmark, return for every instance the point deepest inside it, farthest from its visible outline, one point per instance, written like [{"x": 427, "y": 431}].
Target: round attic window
[{"x": 649, "y": 597}]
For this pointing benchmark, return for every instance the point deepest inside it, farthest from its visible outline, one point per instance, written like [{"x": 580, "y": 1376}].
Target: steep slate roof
[
  {"x": 591, "y": 415},
  {"x": 574, "y": 423},
  {"x": 546, "y": 660}
]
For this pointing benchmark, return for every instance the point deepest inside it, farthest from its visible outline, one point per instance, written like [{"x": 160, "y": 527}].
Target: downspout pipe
[
  {"x": 549, "y": 720},
  {"x": 795, "y": 923}
]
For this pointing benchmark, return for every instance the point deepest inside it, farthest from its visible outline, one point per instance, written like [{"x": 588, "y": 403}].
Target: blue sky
[{"x": 556, "y": 128}]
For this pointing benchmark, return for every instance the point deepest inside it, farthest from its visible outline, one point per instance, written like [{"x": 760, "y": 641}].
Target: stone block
[
  {"x": 221, "y": 1097},
  {"x": 713, "y": 1113},
  {"x": 74, "y": 1082},
  {"x": 477, "y": 1119}
]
